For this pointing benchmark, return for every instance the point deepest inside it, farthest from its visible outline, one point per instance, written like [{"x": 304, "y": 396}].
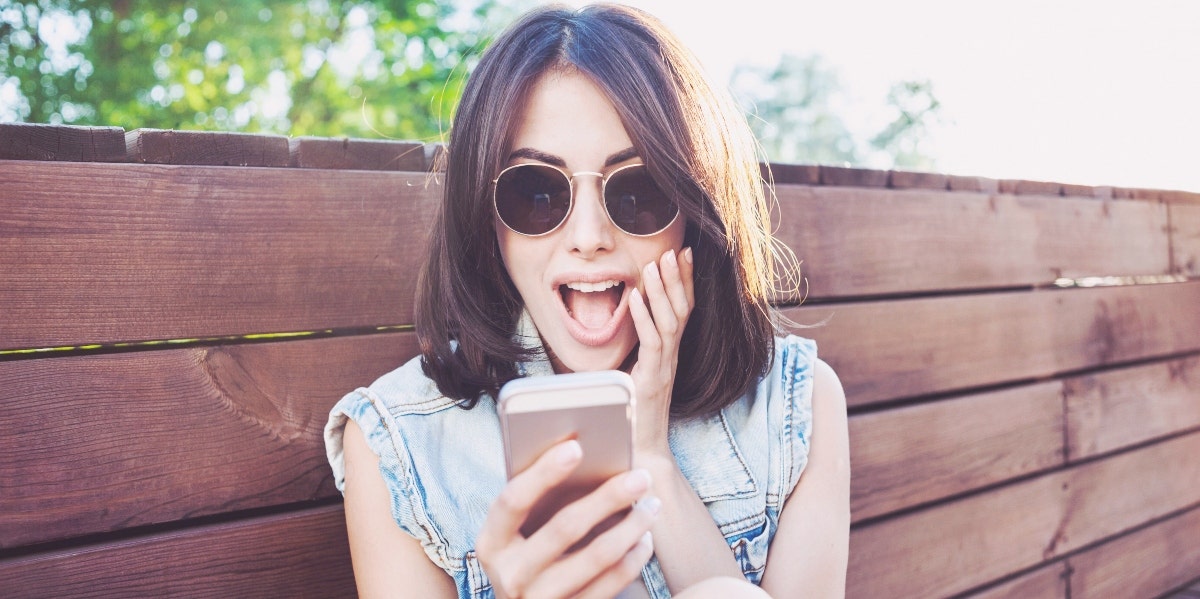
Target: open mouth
[{"x": 592, "y": 305}]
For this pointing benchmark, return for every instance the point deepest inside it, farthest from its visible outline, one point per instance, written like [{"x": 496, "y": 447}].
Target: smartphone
[{"x": 595, "y": 408}]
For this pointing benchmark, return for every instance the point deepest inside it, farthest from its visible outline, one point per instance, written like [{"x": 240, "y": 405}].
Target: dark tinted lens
[
  {"x": 636, "y": 203},
  {"x": 532, "y": 199}
]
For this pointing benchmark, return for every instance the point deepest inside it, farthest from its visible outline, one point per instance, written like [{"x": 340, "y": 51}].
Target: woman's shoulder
[{"x": 403, "y": 391}]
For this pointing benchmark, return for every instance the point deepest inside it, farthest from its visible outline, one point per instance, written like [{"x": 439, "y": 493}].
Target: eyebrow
[{"x": 540, "y": 156}]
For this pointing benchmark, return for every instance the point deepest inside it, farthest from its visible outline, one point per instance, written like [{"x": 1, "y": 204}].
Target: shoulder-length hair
[{"x": 695, "y": 143}]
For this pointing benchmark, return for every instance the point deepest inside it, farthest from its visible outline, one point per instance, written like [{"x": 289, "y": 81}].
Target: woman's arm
[
  {"x": 688, "y": 544},
  {"x": 809, "y": 554},
  {"x": 387, "y": 561}
]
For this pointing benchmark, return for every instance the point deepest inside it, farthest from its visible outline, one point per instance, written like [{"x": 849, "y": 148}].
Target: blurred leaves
[
  {"x": 389, "y": 68},
  {"x": 795, "y": 110}
]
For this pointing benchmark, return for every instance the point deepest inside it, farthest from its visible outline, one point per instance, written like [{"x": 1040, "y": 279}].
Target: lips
[{"x": 593, "y": 306}]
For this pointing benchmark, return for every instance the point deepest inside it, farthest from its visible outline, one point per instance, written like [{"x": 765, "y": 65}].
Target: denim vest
[{"x": 444, "y": 465}]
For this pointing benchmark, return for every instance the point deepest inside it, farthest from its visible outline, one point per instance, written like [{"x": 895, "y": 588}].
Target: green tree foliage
[
  {"x": 791, "y": 110},
  {"x": 915, "y": 107},
  {"x": 318, "y": 67},
  {"x": 795, "y": 109}
]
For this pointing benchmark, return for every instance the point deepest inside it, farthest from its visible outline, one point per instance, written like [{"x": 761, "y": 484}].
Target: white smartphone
[{"x": 596, "y": 408}]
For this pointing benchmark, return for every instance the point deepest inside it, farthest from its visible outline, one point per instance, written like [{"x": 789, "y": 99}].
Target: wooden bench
[{"x": 178, "y": 311}]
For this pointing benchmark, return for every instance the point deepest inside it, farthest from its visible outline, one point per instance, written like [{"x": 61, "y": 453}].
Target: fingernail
[
  {"x": 569, "y": 453},
  {"x": 652, "y": 270},
  {"x": 687, "y": 255},
  {"x": 647, "y": 539},
  {"x": 637, "y": 481},
  {"x": 670, "y": 256},
  {"x": 650, "y": 504}
]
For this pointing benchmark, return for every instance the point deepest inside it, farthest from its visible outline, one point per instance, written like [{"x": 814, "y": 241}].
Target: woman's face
[{"x": 563, "y": 276}]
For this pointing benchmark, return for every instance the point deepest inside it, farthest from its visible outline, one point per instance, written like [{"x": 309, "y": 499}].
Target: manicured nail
[
  {"x": 637, "y": 482},
  {"x": 652, "y": 270},
  {"x": 670, "y": 256},
  {"x": 650, "y": 504},
  {"x": 647, "y": 540},
  {"x": 687, "y": 254},
  {"x": 569, "y": 453}
]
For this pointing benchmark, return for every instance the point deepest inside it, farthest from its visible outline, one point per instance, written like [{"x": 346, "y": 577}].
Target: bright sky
[{"x": 1091, "y": 92}]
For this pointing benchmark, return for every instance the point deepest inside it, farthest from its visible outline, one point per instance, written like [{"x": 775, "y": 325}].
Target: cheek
[{"x": 523, "y": 258}]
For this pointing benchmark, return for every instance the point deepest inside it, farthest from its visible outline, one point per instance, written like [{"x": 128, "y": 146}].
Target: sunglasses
[{"x": 535, "y": 199}]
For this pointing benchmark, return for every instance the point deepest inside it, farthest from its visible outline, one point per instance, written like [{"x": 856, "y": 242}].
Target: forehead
[{"x": 569, "y": 116}]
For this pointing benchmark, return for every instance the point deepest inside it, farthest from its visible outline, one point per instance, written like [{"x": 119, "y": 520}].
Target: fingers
[
  {"x": 574, "y": 521},
  {"x": 512, "y": 506},
  {"x": 676, "y": 277},
  {"x": 671, "y": 294},
  {"x": 620, "y": 552},
  {"x": 537, "y": 566},
  {"x": 622, "y": 573}
]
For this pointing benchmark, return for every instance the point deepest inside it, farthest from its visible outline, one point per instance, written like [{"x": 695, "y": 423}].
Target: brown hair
[{"x": 696, "y": 144}]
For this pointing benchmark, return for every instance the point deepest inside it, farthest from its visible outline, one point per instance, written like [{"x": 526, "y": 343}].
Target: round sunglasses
[{"x": 535, "y": 199}]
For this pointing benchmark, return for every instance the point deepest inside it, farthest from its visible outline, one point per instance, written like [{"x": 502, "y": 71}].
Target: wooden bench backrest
[{"x": 178, "y": 312}]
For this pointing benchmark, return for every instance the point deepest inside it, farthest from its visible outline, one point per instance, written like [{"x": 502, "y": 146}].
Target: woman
[{"x": 603, "y": 209}]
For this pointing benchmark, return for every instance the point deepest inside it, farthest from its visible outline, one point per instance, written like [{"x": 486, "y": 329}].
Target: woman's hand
[
  {"x": 539, "y": 566},
  {"x": 670, "y": 295}
]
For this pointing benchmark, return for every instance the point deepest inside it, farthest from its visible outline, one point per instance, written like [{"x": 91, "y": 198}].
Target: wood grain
[
  {"x": 911, "y": 455},
  {"x": 963, "y": 544},
  {"x": 1048, "y": 582},
  {"x": 957, "y": 546},
  {"x": 1185, "y": 239},
  {"x": 1117, "y": 408},
  {"x": 358, "y": 154},
  {"x": 210, "y": 148},
  {"x": 919, "y": 180},
  {"x": 885, "y": 350},
  {"x": 95, "y": 444},
  {"x": 858, "y": 242},
  {"x": 100, "y": 253},
  {"x": 29, "y": 141},
  {"x": 298, "y": 554},
  {"x": 1145, "y": 563},
  {"x": 1113, "y": 495}
]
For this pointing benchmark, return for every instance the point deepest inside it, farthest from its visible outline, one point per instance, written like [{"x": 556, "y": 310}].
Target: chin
[{"x": 576, "y": 357}]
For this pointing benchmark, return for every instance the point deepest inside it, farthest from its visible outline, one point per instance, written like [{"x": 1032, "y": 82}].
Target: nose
[{"x": 589, "y": 231}]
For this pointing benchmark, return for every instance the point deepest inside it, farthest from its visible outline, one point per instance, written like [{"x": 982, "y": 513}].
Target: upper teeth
[{"x": 592, "y": 287}]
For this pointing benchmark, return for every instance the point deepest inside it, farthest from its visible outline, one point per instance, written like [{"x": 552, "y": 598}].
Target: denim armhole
[
  {"x": 798, "y": 358},
  {"x": 381, "y": 433}
]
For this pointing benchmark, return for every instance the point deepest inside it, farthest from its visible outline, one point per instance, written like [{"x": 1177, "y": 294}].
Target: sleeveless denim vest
[{"x": 444, "y": 465}]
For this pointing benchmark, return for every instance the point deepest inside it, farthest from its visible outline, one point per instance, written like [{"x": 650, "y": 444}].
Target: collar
[{"x": 528, "y": 337}]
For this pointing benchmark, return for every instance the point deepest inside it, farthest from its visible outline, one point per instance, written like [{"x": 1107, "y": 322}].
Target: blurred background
[{"x": 1096, "y": 93}]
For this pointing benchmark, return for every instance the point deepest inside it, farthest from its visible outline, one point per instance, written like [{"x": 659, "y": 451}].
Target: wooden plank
[
  {"x": 1145, "y": 563},
  {"x": 1117, "y": 408},
  {"x": 957, "y": 546},
  {"x": 359, "y": 154},
  {"x": 1021, "y": 187},
  {"x": 299, "y": 554},
  {"x": 1043, "y": 583},
  {"x": 956, "y": 445},
  {"x": 781, "y": 173},
  {"x": 968, "y": 183},
  {"x": 28, "y": 141},
  {"x": 918, "y": 180},
  {"x": 856, "y": 177},
  {"x": 1185, "y": 239},
  {"x": 1116, "y": 494},
  {"x": 895, "y": 349},
  {"x": 159, "y": 146},
  {"x": 94, "y": 444},
  {"x": 100, "y": 253},
  {"x": 858, "y": 242},
  {"x": 967, "y": 543}
]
